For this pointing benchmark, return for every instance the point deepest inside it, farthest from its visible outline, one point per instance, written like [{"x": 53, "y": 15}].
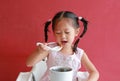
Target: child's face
[{"x": 65, "y": 32}]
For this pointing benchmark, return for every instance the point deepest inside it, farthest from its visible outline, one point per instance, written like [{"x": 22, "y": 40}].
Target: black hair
[{"x": 71, "y": 15}]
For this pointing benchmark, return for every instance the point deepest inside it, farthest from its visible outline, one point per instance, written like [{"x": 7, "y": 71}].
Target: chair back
[{"x": 38, "y": 70}]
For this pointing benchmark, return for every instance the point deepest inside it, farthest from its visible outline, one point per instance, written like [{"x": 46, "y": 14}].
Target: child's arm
[
  {"x": 40, "y": 53},
  {"x": 93, "y": 73}
]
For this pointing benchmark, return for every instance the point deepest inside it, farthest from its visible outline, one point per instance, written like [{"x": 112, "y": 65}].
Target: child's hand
[
  {"x": 46, "y": 47},
  {"x": 42, "y": 46}
]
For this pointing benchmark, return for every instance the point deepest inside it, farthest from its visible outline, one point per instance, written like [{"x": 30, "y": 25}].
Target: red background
[{"x": 21, "y": 26}]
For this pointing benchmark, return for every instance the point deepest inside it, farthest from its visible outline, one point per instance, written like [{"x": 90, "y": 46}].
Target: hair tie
[
  {"x": 80, "y": 18},
  {"x": 49, "y": 20}
]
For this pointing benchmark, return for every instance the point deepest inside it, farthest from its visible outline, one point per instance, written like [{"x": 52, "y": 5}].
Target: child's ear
[{"x": 77, "y": 32}]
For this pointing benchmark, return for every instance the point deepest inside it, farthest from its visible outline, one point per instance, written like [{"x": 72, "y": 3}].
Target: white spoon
[{"x": 55, "y": 48}]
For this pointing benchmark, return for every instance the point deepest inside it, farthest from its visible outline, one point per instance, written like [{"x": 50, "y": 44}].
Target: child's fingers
[
  {"x": 46, "y": 44},
  {"x": 43, "y": 46},
  {"x": 39, "y": 44}
]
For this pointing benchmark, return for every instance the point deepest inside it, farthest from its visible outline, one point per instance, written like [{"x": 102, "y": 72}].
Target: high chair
[{"x": 38, "y": 71}]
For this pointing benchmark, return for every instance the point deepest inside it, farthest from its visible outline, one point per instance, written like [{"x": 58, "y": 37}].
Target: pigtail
[
  {"x": 46, "y": 30},
  {"x": 75, "y": 45},
  {"x": 85, "y": 23}
]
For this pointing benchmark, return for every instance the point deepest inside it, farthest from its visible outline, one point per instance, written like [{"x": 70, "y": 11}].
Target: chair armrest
[
  {"x": 82, "y": 76},
  {"x": 24, "y": 76},
  {"x": 39, "y": 69}
]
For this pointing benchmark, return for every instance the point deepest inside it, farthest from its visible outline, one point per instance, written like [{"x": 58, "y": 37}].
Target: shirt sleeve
[{"x": 80, "y": 53}]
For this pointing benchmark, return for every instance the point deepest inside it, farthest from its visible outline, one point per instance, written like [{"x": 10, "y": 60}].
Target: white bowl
[{"x": 61, "y": 73}]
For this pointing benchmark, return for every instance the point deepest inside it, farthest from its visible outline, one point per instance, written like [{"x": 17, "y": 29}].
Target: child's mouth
[{"x": 64, "y": 42}]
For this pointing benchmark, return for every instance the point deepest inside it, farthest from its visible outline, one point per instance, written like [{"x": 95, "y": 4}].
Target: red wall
[{"x": 21, "y": 26}]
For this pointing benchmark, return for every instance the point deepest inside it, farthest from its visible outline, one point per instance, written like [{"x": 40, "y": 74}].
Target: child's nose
[{"x": 63, "y": 35}]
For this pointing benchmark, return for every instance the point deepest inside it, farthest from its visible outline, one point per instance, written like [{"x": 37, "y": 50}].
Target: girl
[{"x": 66, "y": 29}]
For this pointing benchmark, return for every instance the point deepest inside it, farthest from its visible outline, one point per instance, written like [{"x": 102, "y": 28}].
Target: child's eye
[
  {"x": 67, "y": 32},
  {"x": 58, "y": 32}
]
